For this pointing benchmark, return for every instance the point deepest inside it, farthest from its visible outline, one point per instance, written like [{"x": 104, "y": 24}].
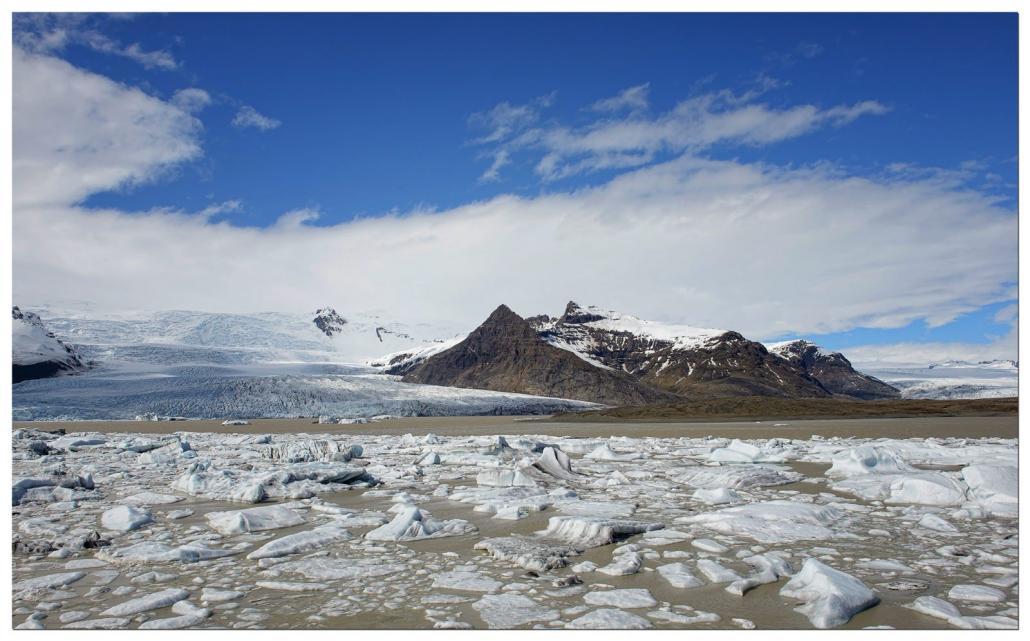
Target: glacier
[{"x": 268, "y": 365}]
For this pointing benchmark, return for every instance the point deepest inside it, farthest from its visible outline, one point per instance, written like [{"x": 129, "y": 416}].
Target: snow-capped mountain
[
  {"x": 954, "y": 379},
  {"x": 507, "y": 354},
  {"x": 329, "y": 321},
  {"x": 833, "y": 371},
  {"x": 675, "y": 361},
  {"x": 37, "y": 352}
]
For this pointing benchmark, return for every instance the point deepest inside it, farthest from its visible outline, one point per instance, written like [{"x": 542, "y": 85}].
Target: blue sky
[{"x": 355, "y": 116}]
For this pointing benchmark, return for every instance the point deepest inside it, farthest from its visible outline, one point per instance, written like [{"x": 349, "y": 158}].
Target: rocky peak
[
  {"x": 329, "y": 321},
  {"x": 574, "y": 315}
]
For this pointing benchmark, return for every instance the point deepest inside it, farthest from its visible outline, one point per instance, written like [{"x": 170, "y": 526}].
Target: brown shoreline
[
  {"x": 768, "y": 409},
  {"x": 918, "y": 427}
]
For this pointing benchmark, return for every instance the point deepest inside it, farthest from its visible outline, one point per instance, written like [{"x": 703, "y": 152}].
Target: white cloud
[
  {"x": 504, "y": 119},
  {"x": 633, "y": 99},
  {"x": 247, "y": 116},
  {"x": 761, "y": 249},
  {"x": 77, "y": 133},
  {"x": 50, "y": 32},
  {"x": 192, "y": 99},
  {"x": 922, "y": 354},
  {"x": 692, "y": 125}
]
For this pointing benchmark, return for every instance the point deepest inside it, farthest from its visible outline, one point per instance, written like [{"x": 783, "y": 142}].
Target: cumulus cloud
[
  {"x": 77, "y": 133},
  {"x": 636, "y": 138},
  {"x": 248, "y": 116},
  {"x": 761, "y": 249}
]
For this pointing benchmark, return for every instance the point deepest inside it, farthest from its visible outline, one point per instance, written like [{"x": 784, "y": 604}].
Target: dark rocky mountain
[
  {"x": 833, "y": 371},
  {"x": 329, "y": 321},
  {"x": 506, "y": 354},
  {"x": 38, "y": 353},
  {"x": 680, "y": 361}
]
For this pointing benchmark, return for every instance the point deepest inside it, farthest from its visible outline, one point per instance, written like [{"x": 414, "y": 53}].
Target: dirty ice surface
[{"x": 190, "y": 530}]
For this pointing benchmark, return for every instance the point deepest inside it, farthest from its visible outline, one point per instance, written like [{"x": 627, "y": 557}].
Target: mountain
[
  {"x": 681, "y": 361},
  {"x": 37, "y": 352},
  {"x": 506, "y": 354},
  {"x": 833, "y": 371},
  {"x": 329, "y": 321}
]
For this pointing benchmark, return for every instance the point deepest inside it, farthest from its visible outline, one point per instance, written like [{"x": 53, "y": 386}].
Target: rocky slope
[
  {"x": 680, "y": 361},
  {"x": 833, "y": 371},
  {"x": 506, "y": 354},
  {"x": 38, "y": 353}
]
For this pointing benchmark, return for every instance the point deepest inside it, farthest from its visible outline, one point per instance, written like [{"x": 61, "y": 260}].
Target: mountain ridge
[{"x": 676, "y": 361}]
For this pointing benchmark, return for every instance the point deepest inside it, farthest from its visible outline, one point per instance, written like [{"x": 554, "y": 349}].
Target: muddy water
[{"x": 962, "y": 427}]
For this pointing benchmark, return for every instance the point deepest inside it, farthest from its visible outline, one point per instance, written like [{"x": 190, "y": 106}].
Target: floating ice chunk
[
  {"x": 175, "y": 623},
  {"x": 738, "y": 476},
  {"x": 466, "y": 580},
  {"x": 411, "y": 524},
  {"x": 300, "y": 542},
  {"x": 665, "y": 537},
  {"x": 919, "y": 488},
  {"x": 830, "y": 597},
  {"x": 84, "y": 564},
  {"x": 323, "y": 569},
  {"x": 740, "y": 452},
  {"x": 606, "y": 453},
  {"x": 624, "y": 562},
  {"x": 235, "y": 421},
  {"x": 695, "y": 617},
  {"x": 679, "y": 575},
  {"x": 255, "y": 519},
  {"x": 214, "y": 595},
  {"x": 585, "y": 566},
  {"x": 292, "y": 586},
  {"x": 556, "y": 463},
  {"x": 48, "y": 581},
  {"x": 590, "y": 532},
  {"x": 527, "y": 553},
  {"x": 151, "y": 498},
  {"x": 716, "y": 572},
  {"x": 716, "y": 495},
  {"x": 886, "y": 565},
  {"x": 154, "y": 601},
  {"x": 125, "y": 518},
  {"x": 934, "y": 522},
  {"x": 506, "y": 611},
  {"x": 153, "y": 552},
  {"x": 609, "y": 619},
  {"x": 868, "y": 459},
  {"x": 311, "y": 450},
  {"x": 935, "y": 607},
  {"x": 605, "y": 509},
  {"x": 969, "y": 592},
  {"x": 769, "y": 568},
  {"x": 498, "y": 477},
  {"x": 624, "y": 598},
  {"x": 429, "y": 458},
  {"x": 108, "y": 623},
  {"x": 708, "y": 545},
  {"x": 995, "y": 487},
  {"x": 772, "y": 521}
]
